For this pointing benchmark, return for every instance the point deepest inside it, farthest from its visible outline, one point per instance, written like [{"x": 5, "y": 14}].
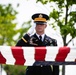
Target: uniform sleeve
[{"x": 23, "y": 41}]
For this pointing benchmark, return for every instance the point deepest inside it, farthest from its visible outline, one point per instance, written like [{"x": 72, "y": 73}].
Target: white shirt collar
[{"x": 41, "y": 35}]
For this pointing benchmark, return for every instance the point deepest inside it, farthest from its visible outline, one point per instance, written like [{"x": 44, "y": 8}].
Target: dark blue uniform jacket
[{"x": 34, "y": 41}]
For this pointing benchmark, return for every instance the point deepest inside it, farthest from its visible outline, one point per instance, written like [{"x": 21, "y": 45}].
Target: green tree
[
  {"x": 65, "y": 23},
  {"x": 7, "y": 32},
  {"x": 7, "y": 25},
  {"x": 15, "y": 70}
]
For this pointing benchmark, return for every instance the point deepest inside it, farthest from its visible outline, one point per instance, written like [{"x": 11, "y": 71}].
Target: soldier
[{"x": 39, "y": 39}]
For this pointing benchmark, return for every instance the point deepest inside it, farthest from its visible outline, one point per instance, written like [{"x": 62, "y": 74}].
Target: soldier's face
[{"x": 40, "y": 28}]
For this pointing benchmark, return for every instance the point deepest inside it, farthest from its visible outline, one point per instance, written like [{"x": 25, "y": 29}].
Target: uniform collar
[{"x": 41, "y": 35}]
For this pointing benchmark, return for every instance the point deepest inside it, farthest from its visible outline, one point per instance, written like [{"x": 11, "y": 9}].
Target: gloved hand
[{"x": 31, "y": 30}]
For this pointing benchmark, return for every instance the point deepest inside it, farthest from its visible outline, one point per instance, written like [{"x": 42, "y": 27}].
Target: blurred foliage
[
  {"x": 65, "y": 23},
  {"x": 7, "y": 26},
  {"x": 15, "y": 70},
  {"x": 9, "y": 30}
]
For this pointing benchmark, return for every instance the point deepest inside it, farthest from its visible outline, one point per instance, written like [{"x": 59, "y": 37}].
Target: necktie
[{"x": 40, "y": 37}]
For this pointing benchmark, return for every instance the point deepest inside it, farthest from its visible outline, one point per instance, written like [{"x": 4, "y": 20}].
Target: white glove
[{"x": 31, "y": 30}]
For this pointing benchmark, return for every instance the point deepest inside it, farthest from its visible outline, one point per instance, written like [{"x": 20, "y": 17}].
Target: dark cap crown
[{"x": 40, "y": 17}]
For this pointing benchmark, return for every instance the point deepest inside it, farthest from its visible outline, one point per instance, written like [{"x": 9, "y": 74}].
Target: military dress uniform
[{"x": 35, "y": 41}]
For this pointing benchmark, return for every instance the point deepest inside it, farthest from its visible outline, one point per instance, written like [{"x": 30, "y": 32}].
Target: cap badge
[{"x": 40, "y": 16}]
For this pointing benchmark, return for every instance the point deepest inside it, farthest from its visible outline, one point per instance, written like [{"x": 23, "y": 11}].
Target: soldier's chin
[{"x": 40, "y": 31}]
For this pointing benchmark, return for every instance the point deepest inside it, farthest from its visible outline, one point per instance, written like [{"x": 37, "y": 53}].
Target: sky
[{"x": 26, "y": 9}]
